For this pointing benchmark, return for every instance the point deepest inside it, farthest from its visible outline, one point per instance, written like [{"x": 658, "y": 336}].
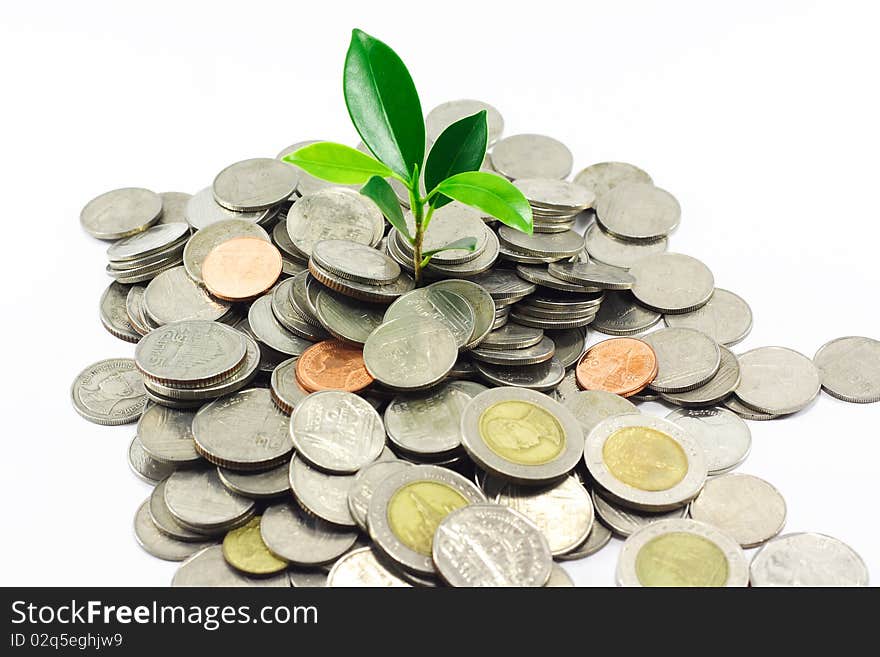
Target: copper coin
[
  {"x": 624, "y": 366},
  {"x": 333, "y": 365},
  {"x": 241, "y": 268}
]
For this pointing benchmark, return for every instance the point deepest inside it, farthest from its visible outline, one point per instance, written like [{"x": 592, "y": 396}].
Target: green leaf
[
  {"x": 492, "y": 194},
  {"x": 466, "y": 243},
  {"x": 337, "y": 163},
  {"x": 383, "y": 104},
  {"x": 383, "y": 195},
  {"x": 459, "y": 148}
]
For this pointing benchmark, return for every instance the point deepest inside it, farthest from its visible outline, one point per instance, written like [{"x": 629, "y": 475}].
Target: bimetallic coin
[
  {"x": 321, "y": 494},
  {"x": 850, "y": 369},
  {"x": 479, "y": 300},
  {"x": 337, "y": 431},
  {"x": 332, "y": 365},
  {"x": 445, "y": 114},
  {"x": 210, "y": 568},
  {"x": 672, "y": 283},
  {"x": 620, "y": 314},
  {"x": 467, "y": 552},
  {"x": 543, "y": 376},
  {"x": 255, "y": 184},
  {"x": 590, "y": 407},
  {"x": 334, "y": 213},
  {"x": 203, "y": 242},
  {"x": 531, "y": 156},
  {"x": 302, "y": 539},
  {"x": 359, "y": 262},
  {"x": 601, "y": 178},
  {"x": 264, "y": 484},
  {"x": 744, "y": 507},
  {"x": 724, "y": 437},
  {"x": 777, "y": 380},
  {"x": 166, "y": 434},
  {"x": 681, "y": 553},
  {"x": 114, "y": 315},
  {"x": 286, "y": 391},
  {"x": 623, "y": 366},
  {"x": 110, "y": 392},
  {"x": 715, "y": 390},
  {"x": 615, "y": 252},
  {"x": 242, "y": 431},
  {"x": 562, "y": 511},
  {"x": 407, "y": 507},
  {"x": 121, "y": 213},
  {"x": 158, "y": 544},
  {"x": 645, "y": 462},
  {"x": 638, "y": 211},
  {"x": 726, "y": 318},
  {"x": 427, "y": 424},
  {"x": 145, "y": 467},
  {"x": 198, "y": 500},
  {"x": 598, "y": 538},
  {"x": 244, "y": 550},
  {"x": 521, "y": 435},
  {"x": 410, "y": 352},
  {"x": 361, "y": 492},
  {"x": 442, "y": 306},
  {"x": 808, "y": 559},
  {"x": 173, "y": 297},
  {"x": 686, "y": 359},
  {"x": 269, "y": 330},
  {"x": 361, "y": 568},
  {"x": 625, "y": 522}
]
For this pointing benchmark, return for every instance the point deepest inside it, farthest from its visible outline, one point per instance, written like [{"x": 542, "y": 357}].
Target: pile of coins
[{"x": 310, "y": 417}]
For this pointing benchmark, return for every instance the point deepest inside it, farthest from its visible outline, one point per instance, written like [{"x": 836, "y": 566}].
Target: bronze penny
[
  {"x": 241, "y": 268},
  {"x": 332, "y": 365},
  {"x": 623, "y": 366}
]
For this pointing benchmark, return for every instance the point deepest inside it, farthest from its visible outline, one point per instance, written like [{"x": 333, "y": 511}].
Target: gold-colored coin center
[
  {"x": 416, "y": 509},
  {"x": 645, "y": 458},
  {"x": 245, "y": 550},
  {"x": 522, "y": 432},
  {"x": 681, "y": 559}
]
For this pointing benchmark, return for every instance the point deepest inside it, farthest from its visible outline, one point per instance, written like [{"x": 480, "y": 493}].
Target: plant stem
[{"x": 417, "y": 206}]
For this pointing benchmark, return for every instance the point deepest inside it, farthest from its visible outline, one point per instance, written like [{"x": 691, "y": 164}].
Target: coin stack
[{"x": 323, "y": 421}]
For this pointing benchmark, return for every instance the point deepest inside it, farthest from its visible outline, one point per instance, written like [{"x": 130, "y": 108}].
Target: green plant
[{"x": 385, "y": 109}]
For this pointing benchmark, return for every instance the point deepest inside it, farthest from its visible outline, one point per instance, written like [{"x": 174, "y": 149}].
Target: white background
[{"x": 760, "y": 117}]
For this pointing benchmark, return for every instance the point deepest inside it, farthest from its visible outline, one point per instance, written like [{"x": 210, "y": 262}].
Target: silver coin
[
  {"x": 406, "y": 508},
  {"x": 290, "y": 316},
  {"x": 808, "y": 559},
  {"x": 570, "y": 345},
  {"x": 777, "y": 380},
  {"x": 539, "y": 353},
  {"x": 681, "y": 553},
  {"x": 470, "y": 388},
  {"x": 410, "y": 353},
  {"x": 271, "y": 332},
  {"x": 445, "y": 114},
  {"x": 539, "y": 275},
  {"x": 724, "y": 437},
  {"x": 448, "y": 308},
  {"x": 158, "y": 544},
  {"x": 592, "y": 274},
  {"x": 625, "y": 522},
  {"x": 202, "y": 211},
  {"x": 200, "y": 245},
  {"x": 307, "y": 578},
  {"x": 361, "y": 568},
  {"x": 559, "y": 578},
  {"x": 427, "y": 424},
  {"x": 166, "y": 434},
  {"x": 562, "y": 510},
  {"x": 502, "y": 284},
  {"x": 143, "y": 274},
  {"x": 601, "y": 178},
  {"x": 165, "y": 522},
  {"x": 590, "y": 407},
  {"x": 467, "y": 552},
  {"x": 549, "y": 195},
  {"x": 512, "y": 336},
  {"x": 565, "y": 244},
  {"x": 209, "y": 568},
  {"x": 281, "y": 239},
  {"x": 609, "y": 250},
  {"x": 145, "y": 467},
  {"x": 450, "y": 223},
  {"x": 726, "y": 318},
  {"x": 715, "y": 390},
  {"x": 286, "y": 391},
  {"x": 190, "y": 353},
  {"x": 358, "y": 262},
  {"x": 174, "y": 207},
  {"x": 479, "y": 265},
  {"x": 531, "y": 156},
  {"x": 154, "y": 239},
  {"x": 361, "y": 492},
  {"x": 257, "y": 485},
  {"x": 334, "y": 213},
  {"x": 543, "y": 376},
  {"x": 744, "y": 507},
  {"x": 198, "y": 499},
  {"x": 347, "y": 319},
  {"x": 686, "y": 359},
  {"x": 850, "y": 369},
  {"x": 644, "y": 462},
  {"x": 521, "y": 435},
  {"x": 301, "y": 539},
  {"x": 255, "y": 184},
  {"x": 672, "y": 283},
  {"x": 384, "y": 294},
  {"x": 638, "y": 211},
  {"x": 120, "y": 213},
  {"x": 745, "y": 412},
  {"x": 598, "y": 538},
  {"x": 337, "y": 431},
  {"x": 243, "y": 431},
  {"x": 321, "y": 494},
  {"x": 110, "y": 392},
  {"x": 478, "y": 299},
  {"x": 135, "y": 311},
  {"x": 114, "y": 315},
  {"x": 173, "y": 297}
]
